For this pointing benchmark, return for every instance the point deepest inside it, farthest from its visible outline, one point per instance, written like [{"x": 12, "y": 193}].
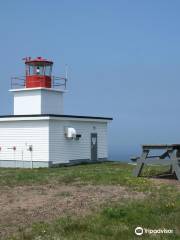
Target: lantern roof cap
[{"x": 37, "y": 61}]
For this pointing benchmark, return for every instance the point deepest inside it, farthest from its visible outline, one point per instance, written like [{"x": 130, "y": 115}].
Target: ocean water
[
  {"x": 124, "y": 154},
  {"x": 121, "y": 157}
]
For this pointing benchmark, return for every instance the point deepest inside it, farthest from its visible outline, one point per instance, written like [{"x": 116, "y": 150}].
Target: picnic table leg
[
  {"x": 140, "y": 163},
  {"x": 175, "y": 158},
  {"x": 176, "y": 164},
  {"x": 170, "y": 154}
]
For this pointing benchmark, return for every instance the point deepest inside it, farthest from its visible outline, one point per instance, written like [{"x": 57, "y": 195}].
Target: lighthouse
[
  {"x": 38, "y": 133},
  {"x": 38, "y": 92}
]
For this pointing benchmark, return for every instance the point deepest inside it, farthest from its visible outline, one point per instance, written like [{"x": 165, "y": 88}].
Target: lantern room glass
[{"x": 42, "y": 70}]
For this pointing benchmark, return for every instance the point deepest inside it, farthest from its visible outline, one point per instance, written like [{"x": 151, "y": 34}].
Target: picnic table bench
[{"x": 170, "y": 156}]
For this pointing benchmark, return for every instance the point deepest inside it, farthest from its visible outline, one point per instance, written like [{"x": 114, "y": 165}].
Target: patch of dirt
[
  {"x": 169, "y": 182},
  {"x": 23, "y": 205}
]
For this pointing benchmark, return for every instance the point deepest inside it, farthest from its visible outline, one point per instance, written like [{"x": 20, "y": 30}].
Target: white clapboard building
[{"x": 38, "y": 134}]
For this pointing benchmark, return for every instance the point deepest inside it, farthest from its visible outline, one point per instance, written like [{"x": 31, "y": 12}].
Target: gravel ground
[{"x": 23, "y": 205}]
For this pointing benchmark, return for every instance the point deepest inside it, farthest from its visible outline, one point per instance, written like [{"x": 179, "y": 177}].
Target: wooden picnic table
[{"x": 170, "y": 156}]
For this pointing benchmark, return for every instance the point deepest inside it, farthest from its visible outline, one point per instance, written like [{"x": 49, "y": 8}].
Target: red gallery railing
[{"x": 56, "y": 82}]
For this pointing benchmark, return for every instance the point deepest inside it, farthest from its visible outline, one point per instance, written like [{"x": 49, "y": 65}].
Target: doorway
[{"x": 93, "y": 146}]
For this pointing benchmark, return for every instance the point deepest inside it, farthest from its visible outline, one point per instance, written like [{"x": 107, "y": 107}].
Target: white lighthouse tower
[
  {"x": 38, "y": 134},
  {"x": 39, "y": 92}
]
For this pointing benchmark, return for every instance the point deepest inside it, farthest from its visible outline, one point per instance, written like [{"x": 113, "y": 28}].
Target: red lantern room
[{"x": 38, "y": 72}]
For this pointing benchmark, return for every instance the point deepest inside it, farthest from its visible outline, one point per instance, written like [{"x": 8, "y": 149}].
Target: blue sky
[{"x": 123, "y": 57}]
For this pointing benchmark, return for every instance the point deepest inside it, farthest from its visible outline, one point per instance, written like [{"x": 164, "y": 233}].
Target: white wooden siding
[
  {"x": 51, "y": 102},
  {"x": 63, "y": 150},
  {"x": 21, "y": 134},
  {"x": 27, "y": 102},
  {"x": 48, "y": 140},
  {"x": 37, "y": 101}
]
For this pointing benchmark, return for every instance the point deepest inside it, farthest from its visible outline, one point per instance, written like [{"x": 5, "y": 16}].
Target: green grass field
[{"x": 158, "y": 208}]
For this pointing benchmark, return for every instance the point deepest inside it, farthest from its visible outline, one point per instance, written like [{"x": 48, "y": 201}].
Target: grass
[
  {"x": 106, "y": 173},
  {"x": 160, "y": 209},
  {"x": 114, "y": 222}
]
